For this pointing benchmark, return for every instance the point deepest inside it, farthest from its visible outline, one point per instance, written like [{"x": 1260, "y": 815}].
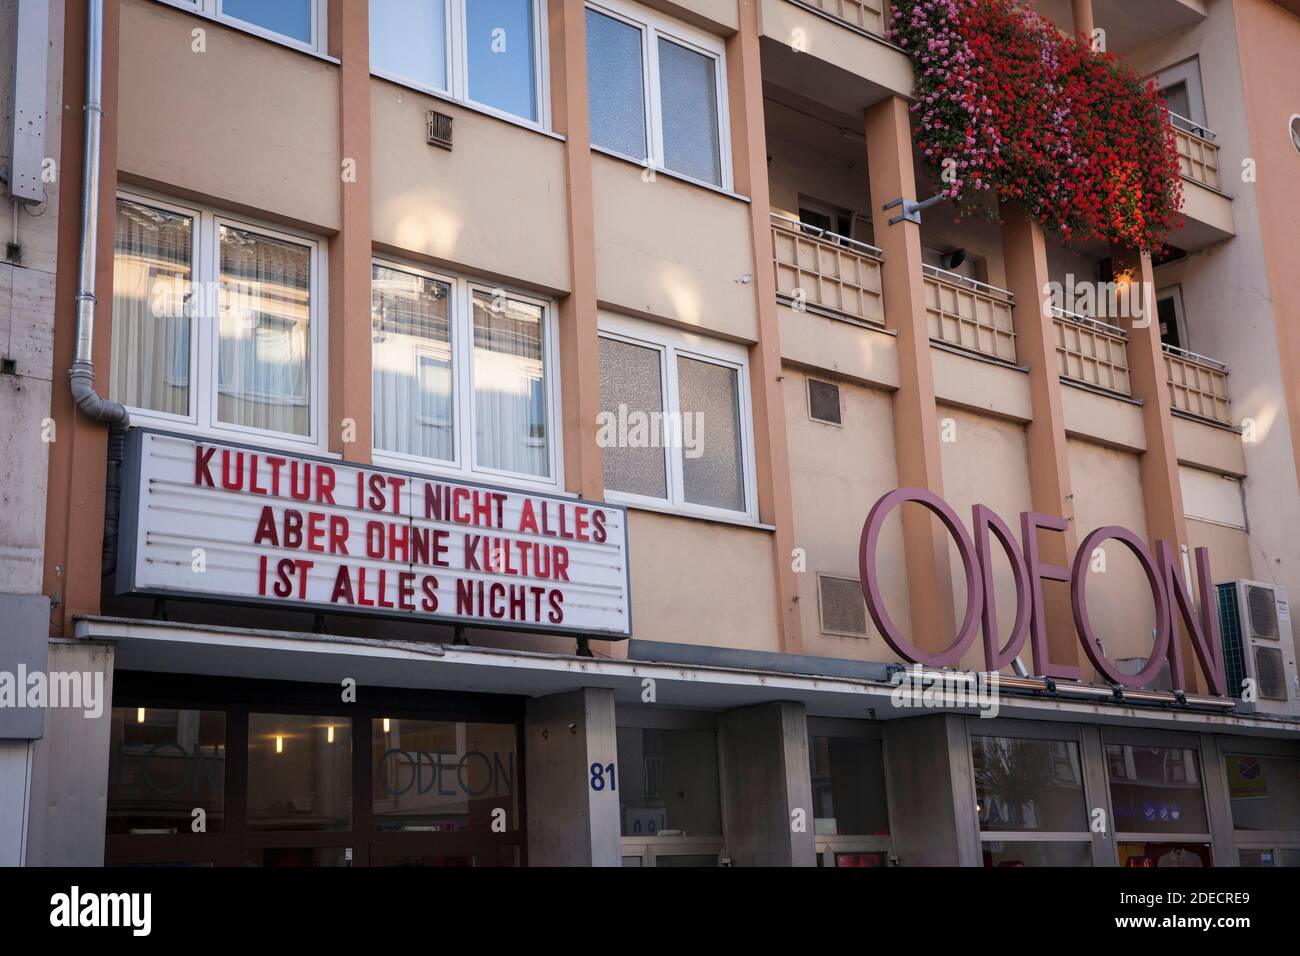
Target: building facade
[{"x": 475, "y": 411}]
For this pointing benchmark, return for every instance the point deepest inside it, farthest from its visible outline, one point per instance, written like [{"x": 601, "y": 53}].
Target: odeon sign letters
[{"x": 1173, "y": 599}]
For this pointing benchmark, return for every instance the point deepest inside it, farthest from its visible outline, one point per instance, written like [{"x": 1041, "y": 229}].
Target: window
[
  {"x": 461, "y": 376},
  {"x": 490, "y": 53},
  {"x": 848, "y": 786},
  {"x": 1029, "y": 796},
  {"x": 215, "y": 323},
  {"x": 656, "y": 92},
  {"x": 1154, "y": 791},
  {"x": 299, "y": 772},
  {"x": 299, "y": 23},
  {"x": 674, "y": 420},
  {"x": 1265, "y": 793},
  {"x": 164, "y": 764},
  {"x": 1173, "y": 322},
  {"x": 1181, "y": 86}
]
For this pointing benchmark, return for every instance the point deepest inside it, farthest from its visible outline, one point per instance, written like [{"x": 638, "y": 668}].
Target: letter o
[
  {"x": 1079, "y": 604},
  {"x": 867, "y": 549}
]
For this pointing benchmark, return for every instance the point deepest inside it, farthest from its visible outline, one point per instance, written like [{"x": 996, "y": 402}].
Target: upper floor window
[
  {"x": 486, "y": 52},
  {"x": 657, "y": 92},
  {"x": 299, "y": 23},
  {"x": 674, "y": 422},
  {"x": 461, "y": 375},
  {"x": 216, "y": 322}
]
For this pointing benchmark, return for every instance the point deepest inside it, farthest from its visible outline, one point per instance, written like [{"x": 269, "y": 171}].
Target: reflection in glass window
[
  {"x": 299, "y": 772},
  {"x": 668, "y": 783},
  {"x": 1164, "y": 855},
  {"x": 1016, "y": 853},
  {"x": 263, "y": 365},
  {"x": 431, "y": 775},
  {"x": 408, "y": 39},
  {"x": 509, "y": 386},
  {"x": 1156, "y": 789},
  {"x": 411, "y": 351},
  {"x": 152, "y": 284},
  {"x": 689, "y": 97},
  {"x": 848, "y": 786},
  {"x": 290, "y": 18},
  {"x": 1028, "y": 785},
  {"x": 499, "y": 36},
  {"x": 164, "y": 764},
  {"x": 1265, "y": 792}
]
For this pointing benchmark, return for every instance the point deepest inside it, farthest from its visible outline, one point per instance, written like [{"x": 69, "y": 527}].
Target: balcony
[
  {"x": 1198, "y": 153},
  {"x": 969, "y": 315},
  {"x": 823, "y": 272},
  {"x": 870, "y": 16},
  {"x": 1198, "y": 386},
  {"x": 1092, "y": 352}
]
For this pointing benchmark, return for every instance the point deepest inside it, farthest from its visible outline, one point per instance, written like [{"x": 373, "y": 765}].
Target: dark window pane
[
  {"x": 848, "y": 786},
  {"x": 163, "y": 765},
  {"x": 1265, "y": 792},
  {"x": 299, "y": 772},
  {"x": 1156, "y": 790},
  {"x": 999, "y": 853},
  {"x": 668, "y": 780},
  {"x": 1023, "y": 784},
  {"x": 1142, "y": 855}
]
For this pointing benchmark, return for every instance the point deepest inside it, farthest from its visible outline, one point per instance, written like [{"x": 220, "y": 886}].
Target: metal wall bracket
[{"x": 912, "y": 210}]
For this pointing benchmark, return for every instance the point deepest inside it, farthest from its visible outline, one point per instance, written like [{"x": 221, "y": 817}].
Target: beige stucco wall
[
  {"x": 867, "y": 355},
  {"x": 987, "y": 463},
  {"x": 673, "y": 250},
  {"x": 494, "y": 204},
  {"x": 1107, "y": 491},
  {"x": 829, "y": 41},
  {"x": 837, "y": 473},
  {"x": 701, "y": 582},
  {"x": 262, "y": 137}
]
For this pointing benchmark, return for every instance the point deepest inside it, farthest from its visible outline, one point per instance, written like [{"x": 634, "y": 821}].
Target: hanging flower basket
[{"x": 1009, "y": 109}]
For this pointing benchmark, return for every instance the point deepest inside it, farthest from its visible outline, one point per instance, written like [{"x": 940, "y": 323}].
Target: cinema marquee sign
[
  {"x": 225, "y": 522},
  {"x": 1163, "y": 570}
]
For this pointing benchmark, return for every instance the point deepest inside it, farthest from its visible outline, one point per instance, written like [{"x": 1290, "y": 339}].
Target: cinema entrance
[{"x": 217, "y": 772}]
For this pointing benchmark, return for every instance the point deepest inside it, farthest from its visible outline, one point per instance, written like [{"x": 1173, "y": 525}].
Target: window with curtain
[
  {"x": 461, "y": 375},
  {"x": 411, "y": 354},
  {"x": 655, "y": 91},
  {"x": 673, "y": 423},
  {"x": 487, "y": 52},
  {"x": 152, "y": 281},
  {"x": 233, "y": 301}
]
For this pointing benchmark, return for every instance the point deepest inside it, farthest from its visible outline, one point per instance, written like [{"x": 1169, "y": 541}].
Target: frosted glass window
[
  {"x": 499, "y": 39},
  {"x": 615, "y": 85},
  {"x": 509, "y": 386},
  {"x": 631, "y": 403},
  {"x": 411, "y": 350},
  {"x": 290, "y": 18},
  {"x": 712, "y": 472},
  {"x": 152, "y": 271},
  {"x": 689, "y": 103},
  {"x": 263, "y": 365},
  {"x": 408, "y": 38}
]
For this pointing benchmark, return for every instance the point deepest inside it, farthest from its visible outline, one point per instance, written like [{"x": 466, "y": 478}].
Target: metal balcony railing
[
  {"x": 1198, "y": 153},
  {"x": 969, "y": 314},
  {"x": 825, "y": 272},
  {"x": 1198, "y": 385},
  {"x": 1092, "y": 352},
  {"x": 871, "y": 16}
]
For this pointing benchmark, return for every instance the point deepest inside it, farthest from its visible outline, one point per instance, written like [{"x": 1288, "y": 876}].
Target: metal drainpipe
[{"x": 81, "y": 377}]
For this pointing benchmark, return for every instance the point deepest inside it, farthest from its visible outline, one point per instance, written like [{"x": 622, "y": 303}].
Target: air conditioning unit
[{"x": 1255, "y": 624}]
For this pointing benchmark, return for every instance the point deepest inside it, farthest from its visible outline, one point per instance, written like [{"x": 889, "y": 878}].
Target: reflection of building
[{"x": 390, "y": 607}]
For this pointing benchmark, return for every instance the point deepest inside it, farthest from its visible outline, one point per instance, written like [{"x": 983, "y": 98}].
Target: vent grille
[
  {"x": 1270, "y": 673},
  {"x": 439, "y": 132},
  {"x": 843, "y": 610},
  {"x": 824, "y": 401},
  {"x": 1263, "y": 612}
]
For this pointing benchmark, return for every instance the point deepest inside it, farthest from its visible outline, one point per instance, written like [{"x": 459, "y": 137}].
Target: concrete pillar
[
  {"x": 1084, "y": 22},
  {"x": 916, "y": 414},
  {"x": 771, "y": 448},
  {"x": 69, "y": 796},
  {"x": 765, "y": 775},
  {"x": 1024, "y": 249},
  {"x": 1162, "y": 490},
  {"x": 1218, "y": 801},
  {"x": 569, "y": 822},
  {"x": 932, "y": 791}
]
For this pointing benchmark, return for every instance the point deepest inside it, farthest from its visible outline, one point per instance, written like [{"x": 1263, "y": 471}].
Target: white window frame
[
  {"x": 205, "y": 268},
  {"x": 319, "y": 23},
  {"x": 456, "y": 57},
  {"x": 670, "y": 344},
  {"x": 464, "y": 442},
  {"x": 654, "y": 26}
]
